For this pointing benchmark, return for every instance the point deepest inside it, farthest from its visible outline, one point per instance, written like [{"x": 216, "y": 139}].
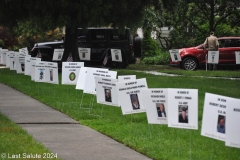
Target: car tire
[{"x": 189, "y": 63}]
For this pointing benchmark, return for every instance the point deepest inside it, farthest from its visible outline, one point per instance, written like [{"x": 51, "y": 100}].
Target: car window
[
  {"x": 116, "y": 35},
  {"x": 98, "y": 35},
  {"x": 81, "y": 36},
  {"x": 221, "y": 43},
  {"x": 232, "y": 43}
]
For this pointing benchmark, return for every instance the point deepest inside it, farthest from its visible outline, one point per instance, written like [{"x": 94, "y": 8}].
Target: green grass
[
  {"x": 140, "y": 66},
  {"x": 14, "y": 141},
  {"x": 155, "y": 141},
  {"x": 217, "y": 73},
  {"x": 222, "y": 72}
]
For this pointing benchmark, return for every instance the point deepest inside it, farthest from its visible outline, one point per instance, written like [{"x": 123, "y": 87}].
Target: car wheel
[{"x": 189, "y": 64}]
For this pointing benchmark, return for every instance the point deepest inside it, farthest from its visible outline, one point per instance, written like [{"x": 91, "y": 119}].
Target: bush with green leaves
[
  {"x": 149, "y": 46},
  {"x": 161, "y": 59},
  {"x": 1, "y": 43}
]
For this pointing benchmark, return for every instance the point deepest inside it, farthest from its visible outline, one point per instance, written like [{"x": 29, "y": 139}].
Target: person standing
[{"x": 211, "y": 43}]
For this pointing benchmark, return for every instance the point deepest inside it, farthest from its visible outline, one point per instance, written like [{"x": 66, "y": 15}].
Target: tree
[
  {"x": 48, "y": 14},
  {"x": 192, "y": 20}
]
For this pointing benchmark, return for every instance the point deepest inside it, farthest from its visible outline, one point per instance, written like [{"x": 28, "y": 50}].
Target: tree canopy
[
  {"x": 192, "y": 20},
  {"x": 47, "y": 14}
]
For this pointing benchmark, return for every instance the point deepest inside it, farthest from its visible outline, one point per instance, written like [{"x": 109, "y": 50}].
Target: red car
[{"x": 194, "y": 57}]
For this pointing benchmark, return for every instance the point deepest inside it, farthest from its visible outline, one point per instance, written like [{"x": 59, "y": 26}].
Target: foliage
[
  {"x": 73, "y": 14},
  {"x": 161, "y": 59},
  {"x": 28, "y": 34},
  {"x": 192, "y": 20},
  {"x": 14, "y": 48},
  {"x": 7, "y": 36},
  {"x": 149, "y": 46},
  {"x": 1, "y": 43}
]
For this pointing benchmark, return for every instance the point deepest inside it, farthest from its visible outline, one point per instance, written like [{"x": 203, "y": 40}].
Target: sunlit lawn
[{"x": 155, "y": 141}]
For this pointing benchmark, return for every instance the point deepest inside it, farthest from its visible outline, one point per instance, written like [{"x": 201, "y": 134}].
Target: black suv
[{"x": 100, "y": 40}]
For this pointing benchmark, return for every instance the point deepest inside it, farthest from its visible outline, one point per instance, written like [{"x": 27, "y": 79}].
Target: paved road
[{"x": 60, "y": 133}]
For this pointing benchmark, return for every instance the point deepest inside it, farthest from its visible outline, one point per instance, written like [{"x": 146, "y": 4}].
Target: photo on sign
[
  {"x": 183, "y": 114},
  {"x": 135, "y": 101},
  {"x": 23, "y": 66},
  {"x": 221, "y": 124},
  {"x": 51, "y": 74},
  {"x": 175, "y": 57},
  {"x": 213, "y": 56},
  {"x": 41, "y": 74},
  {"x": 108, "y": 95},
  {"x": 84, "y": 53},
  {"x": 116, "y": 56},
  {"x": 59, "y": 56},
  {"x": 72, "y": 76},
  {"x": 161, "y": 110}
]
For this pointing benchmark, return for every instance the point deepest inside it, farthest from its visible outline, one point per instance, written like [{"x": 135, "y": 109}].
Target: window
[
  {"x": 115, "y": 35},
  {"x": 232, "y": 43},
  {"x": 98, "y": 35}
]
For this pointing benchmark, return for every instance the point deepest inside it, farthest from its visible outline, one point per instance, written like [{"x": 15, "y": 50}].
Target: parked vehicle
[
  {"x": 100, "y": 40},
  {"x": 194, "y": 57}
]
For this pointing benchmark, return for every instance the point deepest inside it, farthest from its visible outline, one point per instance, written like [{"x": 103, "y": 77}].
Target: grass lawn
[
  {"x": 15, "y": 142},
  {"x": 155, "y": 141}
]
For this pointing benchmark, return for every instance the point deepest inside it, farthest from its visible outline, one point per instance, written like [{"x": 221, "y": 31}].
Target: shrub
[
  {"x": 150, "y": 46},
  {"x": 161, "y": 59},
  {"x": 1, "y": 43}
]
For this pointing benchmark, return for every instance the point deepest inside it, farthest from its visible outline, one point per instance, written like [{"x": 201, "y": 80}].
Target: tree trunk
[
  {"x": 211, "y": 22},
  {"x": 71, "y": 44}
]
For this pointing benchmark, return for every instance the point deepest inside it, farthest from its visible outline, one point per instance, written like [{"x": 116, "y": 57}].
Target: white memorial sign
[
  {"x": 12, "y": 63},
  {"x": 39, "y": 72},
  {"x": 23, "y": 50},
  {"x": 27, "y": 67},
  {"x": 128, "y": 92},
  {"x": 183, "y": 108},
  {"x": 90, "y": 86},
  {"x": 116, "y": 55},
  {"x": 3, "y": 57},
  {"x": 232, "y": 123},
  {"x": 33, "y": 64},
  {"x": 175, "y": 55},
  {"x": 81, "y": 78},
  {"x": 51, "y": 72},
  {"x": 237, "y": 55},
  {"x": 57, "y": 54},
  {"x": 126, "y": 78},
  {"x": 214, "y": 116},
  {"x": 70, "y": 71},
  {"x": 8, "y": 55},
  {"x": 20, "y": 64},
  {"x": 155, "y": 102},
  {"x": 213, "y": 57},
  {"x": 84, "y": 53},
  {"x": 106, "y": 91}
]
